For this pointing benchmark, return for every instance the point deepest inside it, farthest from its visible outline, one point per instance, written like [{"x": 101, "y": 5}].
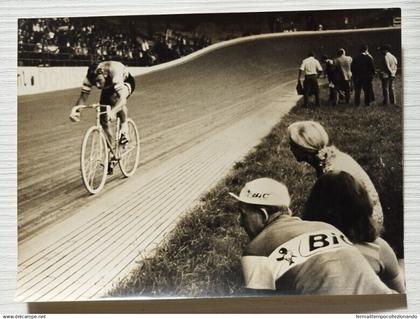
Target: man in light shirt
[
  {"x": 388, "y": 69},
  {"x": 311, "y": 68},
  {"x": 343, "y": 63}
]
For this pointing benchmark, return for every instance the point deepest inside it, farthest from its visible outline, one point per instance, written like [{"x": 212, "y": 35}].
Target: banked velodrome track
[{"x": 196, "y": 119}]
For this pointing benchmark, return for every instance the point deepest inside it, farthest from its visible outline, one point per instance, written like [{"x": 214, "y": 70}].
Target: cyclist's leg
[
  {"x": 110, "y": 137},
  {"x": 130, "y": 85},
  {"x": 123, "y": 116},
  {"x": 107, "y": 130},
  {"x": 106, "y": 99}
]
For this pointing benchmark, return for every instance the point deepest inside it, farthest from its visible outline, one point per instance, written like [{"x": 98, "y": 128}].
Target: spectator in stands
[
  {"x": 311, "y": 68},
  {"x": 309, "y": 142},
  {"x": 73, "y": 41},
  {"x": 363, "y": 71},
  {"x": 388, "y": 68},
  {"x": 343, "y": 63},
  {"x": 278, "y": 24},
  {"x": 311, "y": 23},
  {"x": 340, "y": 200}
]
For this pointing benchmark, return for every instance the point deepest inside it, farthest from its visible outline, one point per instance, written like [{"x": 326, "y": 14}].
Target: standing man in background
[
  {"x": 333, "y": 79},
  {"x": 311, "y": 68},
  {"x": 363, "y": 71},
  {"x": 343, "y": 63},
  {"x": 388, "y": 69}
]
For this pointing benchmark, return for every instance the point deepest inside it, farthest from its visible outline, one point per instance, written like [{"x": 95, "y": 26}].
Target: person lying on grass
[
  {"x": 287, "y": 255},
  {"x": 340, "y": 200},
  {"x": 309, "y": 142}
]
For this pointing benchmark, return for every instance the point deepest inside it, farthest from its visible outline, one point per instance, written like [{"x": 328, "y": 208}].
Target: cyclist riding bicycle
[{"x": 117, "y": 84}]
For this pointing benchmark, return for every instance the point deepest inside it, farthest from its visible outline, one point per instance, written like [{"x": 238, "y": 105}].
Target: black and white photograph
[{"x": 210, "y": 155}]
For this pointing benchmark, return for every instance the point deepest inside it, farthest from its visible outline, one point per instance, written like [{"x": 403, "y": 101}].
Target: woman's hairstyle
[
  {"x": 340, "y": 200},
  {"x": 311, "y": 137},
  {"x": 308, "y": 135}
]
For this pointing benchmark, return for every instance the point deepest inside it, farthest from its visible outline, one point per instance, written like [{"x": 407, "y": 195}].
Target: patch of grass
[{"x": 201, "y": 257}]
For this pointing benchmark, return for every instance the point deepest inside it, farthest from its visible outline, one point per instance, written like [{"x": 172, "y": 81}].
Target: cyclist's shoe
[
  {"x": 111, "y": 165},
  {"x": 124, "y": 139},
  {"x": 110, "y": 169}
]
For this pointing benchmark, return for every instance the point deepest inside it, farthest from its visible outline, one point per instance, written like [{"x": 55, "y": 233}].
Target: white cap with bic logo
[{"x": 264, "y": 191}]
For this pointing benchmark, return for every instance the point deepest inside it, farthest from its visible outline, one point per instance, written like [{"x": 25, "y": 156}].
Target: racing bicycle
[{"x": 98, "y": 154}]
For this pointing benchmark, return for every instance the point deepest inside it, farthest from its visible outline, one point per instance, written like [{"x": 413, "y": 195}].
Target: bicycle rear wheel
[
  {"x": 130, "y": 153},
  {"x": 94, "y": 160}
]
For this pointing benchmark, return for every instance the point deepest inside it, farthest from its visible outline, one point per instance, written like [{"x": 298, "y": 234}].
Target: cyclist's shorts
[
  {"x": 107, "y": 94},
  {"x": 130, "y": 83}
]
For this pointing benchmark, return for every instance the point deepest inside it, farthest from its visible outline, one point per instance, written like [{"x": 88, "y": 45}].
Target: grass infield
[{"x": 201, "y": 257}]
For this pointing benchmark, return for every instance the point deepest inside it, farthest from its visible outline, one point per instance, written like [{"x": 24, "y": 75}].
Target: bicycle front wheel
[
  {"x": 94, "y": 160},
  {"x": 130, "y": 152}
]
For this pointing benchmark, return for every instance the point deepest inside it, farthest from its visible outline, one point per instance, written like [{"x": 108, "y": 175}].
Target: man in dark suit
[{"x": 363, "y": 70}]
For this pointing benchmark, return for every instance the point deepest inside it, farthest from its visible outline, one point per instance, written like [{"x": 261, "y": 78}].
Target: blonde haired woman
[{"x": 309, "y": 142}]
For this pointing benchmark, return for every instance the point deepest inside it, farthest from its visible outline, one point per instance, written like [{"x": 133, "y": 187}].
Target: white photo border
[{"x": 10, "y": 11}]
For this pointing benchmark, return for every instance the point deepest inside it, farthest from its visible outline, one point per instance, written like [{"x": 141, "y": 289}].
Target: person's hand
[{"x": 75, "y": 114}]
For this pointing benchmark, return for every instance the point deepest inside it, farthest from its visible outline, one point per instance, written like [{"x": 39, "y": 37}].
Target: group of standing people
[
  {"x": 335, "y": 247},
  {"x": 345, "y": 73}
]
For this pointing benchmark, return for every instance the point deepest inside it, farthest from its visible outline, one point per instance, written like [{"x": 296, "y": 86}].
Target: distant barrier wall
[{"x": 32, "y": 80}]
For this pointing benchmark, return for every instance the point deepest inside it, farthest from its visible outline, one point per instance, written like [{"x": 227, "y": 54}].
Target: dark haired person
[
  {"x": 291, "y": 256},
  {"x": 310, "y": 68},
  {"x": 363, "y": 70},
  {"x": 309, "y": 142},
  {"x": 388, "y": 68},
  {"x": 333, "y": 79},
  {"x": 340, "y": 200},
  {"x": 117, "y": 84}
]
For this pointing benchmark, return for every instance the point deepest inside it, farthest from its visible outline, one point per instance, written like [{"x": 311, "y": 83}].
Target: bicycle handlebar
[
  {"x": 92, "y": 106},
  {"x": 75, "y": 113}
]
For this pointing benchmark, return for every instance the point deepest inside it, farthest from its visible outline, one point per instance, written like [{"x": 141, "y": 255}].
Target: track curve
[{"x": 173, "y": 108}]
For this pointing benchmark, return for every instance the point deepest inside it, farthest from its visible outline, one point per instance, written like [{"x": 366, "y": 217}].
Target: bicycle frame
[
  {"x": 111, "y": 152},
  {"x": 116, "y": 153}
]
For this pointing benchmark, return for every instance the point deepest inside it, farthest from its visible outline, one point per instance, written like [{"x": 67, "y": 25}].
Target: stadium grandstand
[
  {"x": 150, "y": 40},
  {"x": 77, "y": 42}
]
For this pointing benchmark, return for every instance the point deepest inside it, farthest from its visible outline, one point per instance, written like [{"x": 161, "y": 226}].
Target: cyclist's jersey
[
  {"x": 299, "y": 257},
  {"x": 116, "y": 75}
]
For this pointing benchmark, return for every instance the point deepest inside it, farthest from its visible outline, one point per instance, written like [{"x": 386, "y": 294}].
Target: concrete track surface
[{"x": 195, "y": 120}]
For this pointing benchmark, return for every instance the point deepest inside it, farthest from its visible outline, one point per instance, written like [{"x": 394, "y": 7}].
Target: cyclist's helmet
[{"x": 93, "y": 72}]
